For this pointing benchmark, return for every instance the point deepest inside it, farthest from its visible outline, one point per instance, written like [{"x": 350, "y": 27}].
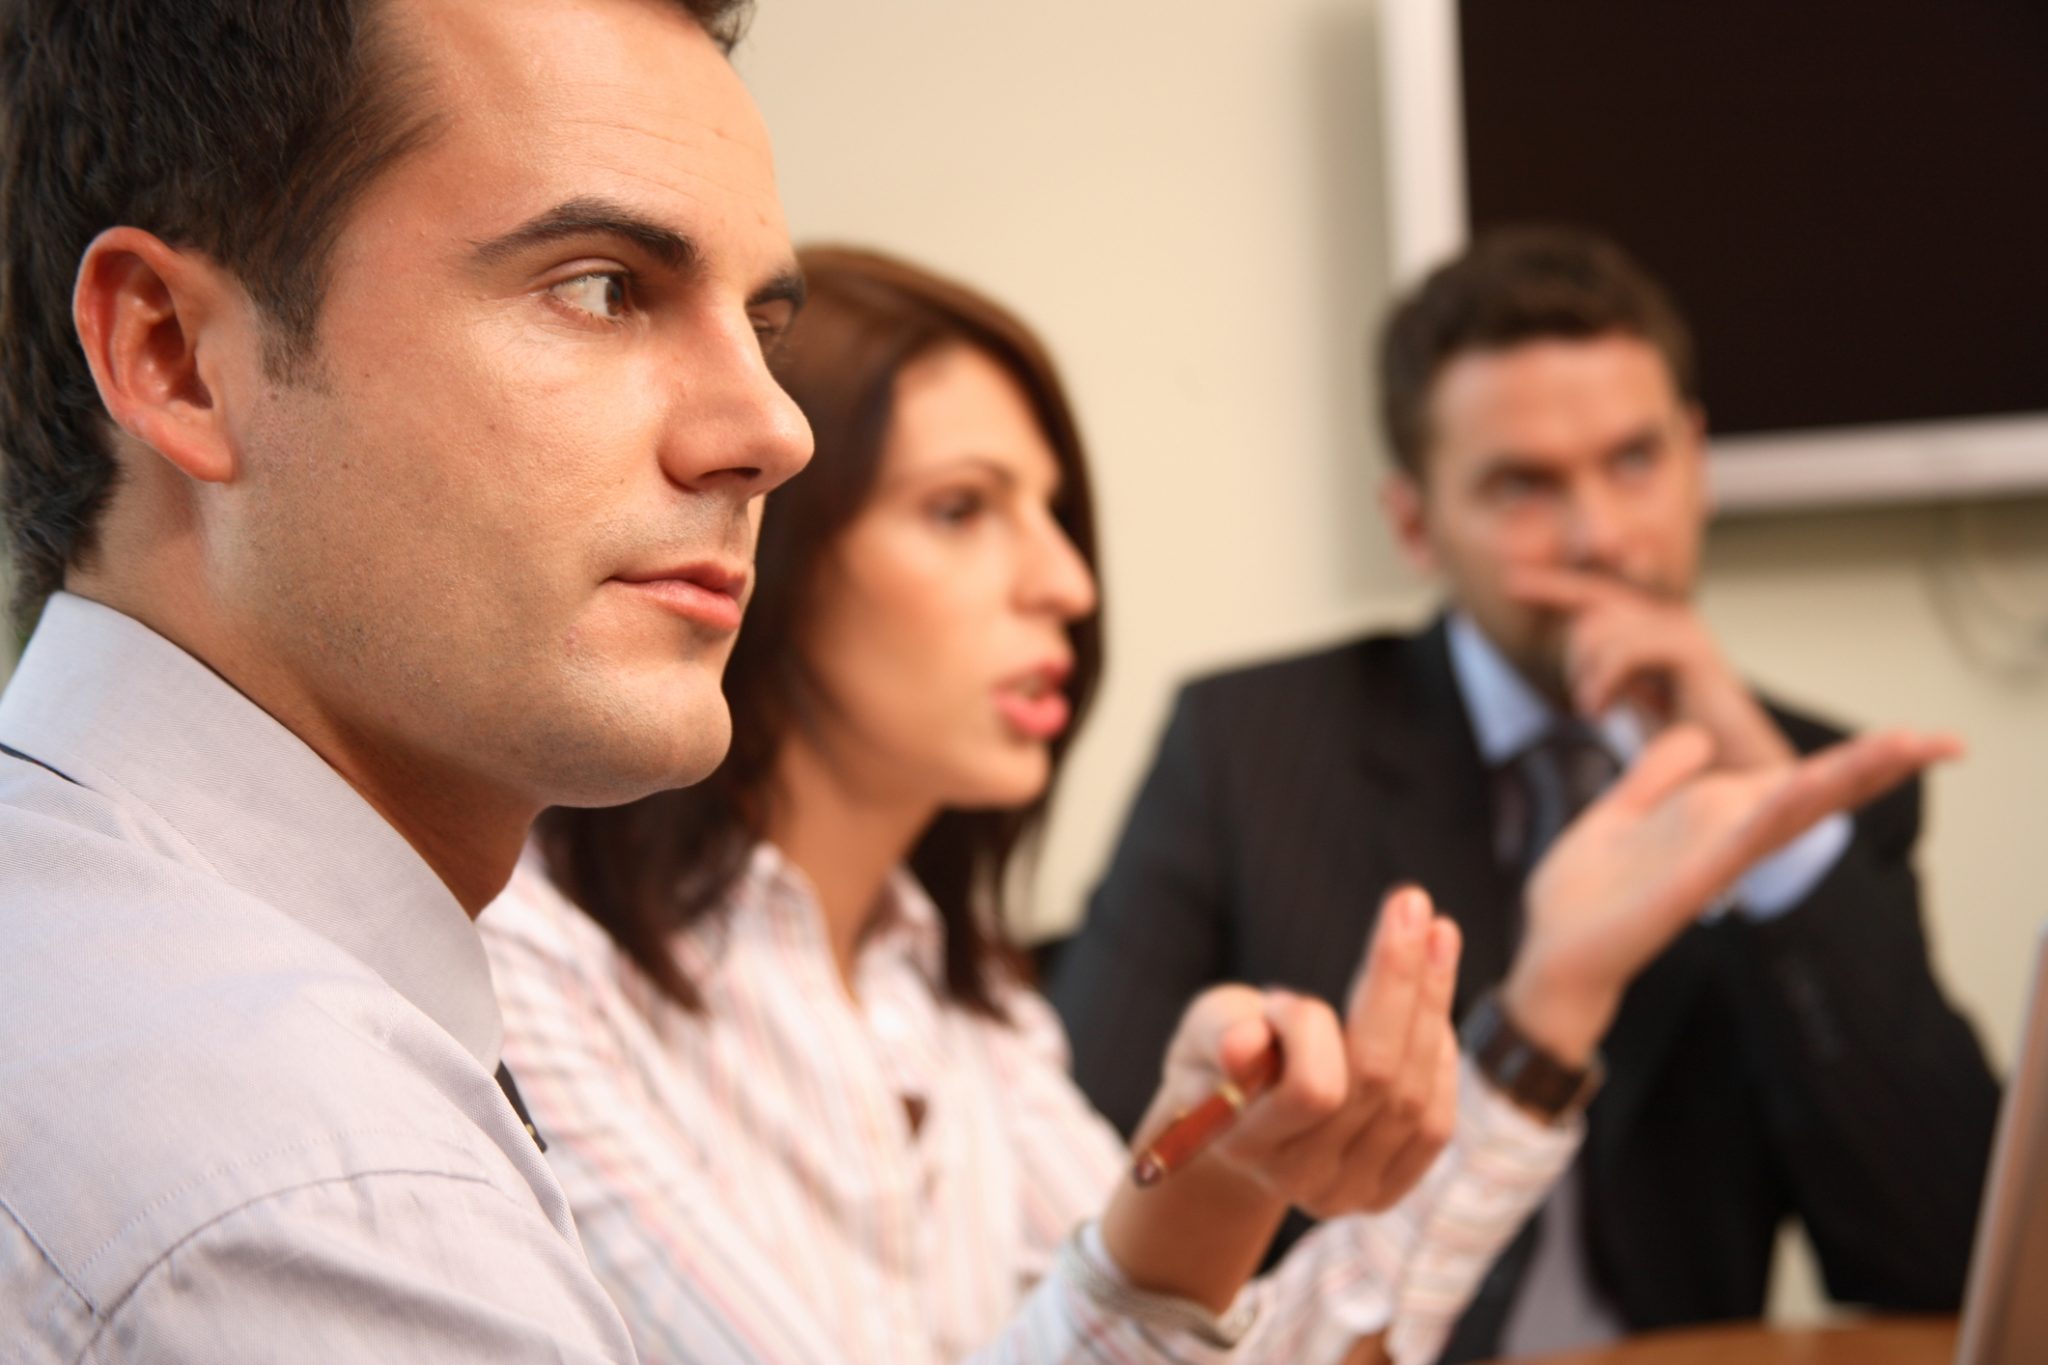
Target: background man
[{"x": 1791, "y": 1057}]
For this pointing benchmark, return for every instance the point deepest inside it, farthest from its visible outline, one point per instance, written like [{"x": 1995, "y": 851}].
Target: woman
[{"x": 802, "y": 1104}]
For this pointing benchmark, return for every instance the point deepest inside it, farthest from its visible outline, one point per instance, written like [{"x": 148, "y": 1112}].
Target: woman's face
[{"x": 939, "y": 635}]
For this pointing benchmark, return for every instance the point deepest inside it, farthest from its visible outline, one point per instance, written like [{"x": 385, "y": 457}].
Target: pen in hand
[{"x": 1182, "y": 1140}]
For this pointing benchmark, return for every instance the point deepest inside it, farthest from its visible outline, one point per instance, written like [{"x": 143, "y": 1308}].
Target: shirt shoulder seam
[
  {"x": 50, "y": 1260},
  {"x": 216, "y": 1172},
  {"x": 104, "y": 1318}
]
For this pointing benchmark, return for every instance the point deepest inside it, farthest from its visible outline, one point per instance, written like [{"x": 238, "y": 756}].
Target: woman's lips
[{"x": 1037, "y": 711}]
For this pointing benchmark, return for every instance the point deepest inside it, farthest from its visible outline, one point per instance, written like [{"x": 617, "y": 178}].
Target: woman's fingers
[
  {"x": 1354, "y": 1159},
  {"x": 1361, "y": 1105},
  {"x": 1671, "y": 760},
  {"x": 1843, "y": 777},
  {"x": 1414, "y": 1098},
  {"x": 1314, "y": 1083},
  {"x": 1375, "y": 1167},
  {"x": 1434, "y": 1134},
  {"x": 1381, "y": 1014},
  {"x": 1839, "y": 778}
]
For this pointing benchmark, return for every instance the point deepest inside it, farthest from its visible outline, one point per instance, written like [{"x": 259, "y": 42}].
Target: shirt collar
[
  {"x": 1507, "y": 714},
  {"x": 909, "y": 924},
  {"x": 212, "y": 780}
]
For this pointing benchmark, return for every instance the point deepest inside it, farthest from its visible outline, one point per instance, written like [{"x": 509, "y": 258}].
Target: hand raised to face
[
  {"x": 1623, "y": 643},
  {"x": 1643, "y": 861},
  {"x": 1361, "y": 1105}
]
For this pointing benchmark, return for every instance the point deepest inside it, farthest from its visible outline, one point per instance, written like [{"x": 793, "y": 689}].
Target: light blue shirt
[
  {"x": 247, "y": 1037},
  {"x": 1508, "y": 715}
]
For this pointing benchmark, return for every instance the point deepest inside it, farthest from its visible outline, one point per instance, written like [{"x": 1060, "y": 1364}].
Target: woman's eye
[
  {"x": 602, "y": 294},
  {"x": 959, "y": 508}
]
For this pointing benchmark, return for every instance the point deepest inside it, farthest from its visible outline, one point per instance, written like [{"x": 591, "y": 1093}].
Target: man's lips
[{"x": 706, "y": 592}]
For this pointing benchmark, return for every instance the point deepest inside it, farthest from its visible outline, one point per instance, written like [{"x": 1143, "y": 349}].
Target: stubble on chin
[
  {"x": 609, "y": 737},
  {"x": 1535, "y": 644}
]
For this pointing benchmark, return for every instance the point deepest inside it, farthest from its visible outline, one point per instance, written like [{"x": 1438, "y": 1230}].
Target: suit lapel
[{"x": 1432, "y": 799}]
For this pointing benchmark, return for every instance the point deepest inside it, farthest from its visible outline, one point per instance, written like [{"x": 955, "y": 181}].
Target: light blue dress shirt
[
  {"x": 1508, "y": 716},
  {"x": 247, "y": 1038}
]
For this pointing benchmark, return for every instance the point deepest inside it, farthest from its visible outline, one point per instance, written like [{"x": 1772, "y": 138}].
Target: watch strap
[{"x": 1521, "y": 1069}]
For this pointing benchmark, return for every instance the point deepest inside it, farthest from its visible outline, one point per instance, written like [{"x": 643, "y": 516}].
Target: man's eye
[
  {"x": 1519, "y": 487},
  {"x": 1636, "y": 459},
  {"x": 602, "y": 294}
]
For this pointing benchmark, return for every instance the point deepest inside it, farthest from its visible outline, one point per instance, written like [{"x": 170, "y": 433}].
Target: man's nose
[
  {"x": 1594, "y": 527},
  {"x": 731, "y": 422}
]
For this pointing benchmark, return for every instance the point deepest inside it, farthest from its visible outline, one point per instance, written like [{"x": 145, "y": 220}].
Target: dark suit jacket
[{"x": 1804, "y": 1066}]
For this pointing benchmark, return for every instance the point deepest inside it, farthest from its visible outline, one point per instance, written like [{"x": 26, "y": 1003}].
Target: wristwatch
[{"x": 1522, "y": 1070}]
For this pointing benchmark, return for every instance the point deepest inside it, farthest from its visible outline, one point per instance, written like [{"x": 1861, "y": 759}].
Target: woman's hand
[
  {"x": 1644, "y": 860},
  {"x": 1361, "y": 1105},
  {"x": 1357, "y": 1111}
]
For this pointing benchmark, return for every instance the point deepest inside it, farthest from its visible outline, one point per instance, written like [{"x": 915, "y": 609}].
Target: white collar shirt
[
  {"x": 247, "y": 1109},
  {"x": 753, "y": 1189}
]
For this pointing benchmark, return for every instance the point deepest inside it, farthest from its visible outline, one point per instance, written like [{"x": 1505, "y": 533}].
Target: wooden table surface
[{"x": 1887, "y": 1341}]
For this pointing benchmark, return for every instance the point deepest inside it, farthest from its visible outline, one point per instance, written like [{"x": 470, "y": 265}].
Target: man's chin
[
  {"x": 651, "y": 752},
  {"x": 1539, "y": 658}
]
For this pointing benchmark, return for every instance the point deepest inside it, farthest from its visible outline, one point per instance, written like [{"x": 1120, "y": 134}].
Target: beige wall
[{"x": 1187, "y": 200}]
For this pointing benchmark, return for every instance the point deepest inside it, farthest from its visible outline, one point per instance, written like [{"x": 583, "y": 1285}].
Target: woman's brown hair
[{"x": 647, "y": 869}]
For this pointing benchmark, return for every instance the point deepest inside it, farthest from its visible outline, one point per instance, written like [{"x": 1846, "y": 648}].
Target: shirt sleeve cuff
[
  {"x": 1503, "y": 1164},
  {"x": 1786, "y": 878},
  {"x": 1087, "y": 1266},
  {"x": 1501, "y": 1130}
]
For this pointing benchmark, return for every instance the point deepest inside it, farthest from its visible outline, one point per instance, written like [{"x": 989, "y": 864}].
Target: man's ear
[
  {"x": 1401, "y": 498},
  {"x": 145, "y": 311}
]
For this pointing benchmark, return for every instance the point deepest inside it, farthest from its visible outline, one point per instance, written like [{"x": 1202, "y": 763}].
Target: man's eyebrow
[
  {"x": 587, "y": 217},
  {"x": 1503, "y": 462},
  {"x": 1647, "y": 437}
]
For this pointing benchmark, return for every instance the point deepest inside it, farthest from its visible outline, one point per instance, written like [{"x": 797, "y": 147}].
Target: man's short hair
[
  {"x": 243, "y": 129},
  {"x": 1516, "y": 285}
]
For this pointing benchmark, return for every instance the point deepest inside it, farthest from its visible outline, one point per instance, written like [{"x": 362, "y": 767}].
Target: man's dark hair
[
  {"x": 243, "y": 129},
  {"x": 1517, "y": 285}
]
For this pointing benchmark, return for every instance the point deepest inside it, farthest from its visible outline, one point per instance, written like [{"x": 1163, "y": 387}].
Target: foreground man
[
  {"x": 399, "y": 476},
  {"x": 1793, "y": 1058}
]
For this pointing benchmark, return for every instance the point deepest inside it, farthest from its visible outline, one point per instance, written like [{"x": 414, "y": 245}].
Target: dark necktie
[
  {"x": 505, "y": 1083},
  {"x": 1536, "y": 794},
  {"x": 1543, "y": 789}
]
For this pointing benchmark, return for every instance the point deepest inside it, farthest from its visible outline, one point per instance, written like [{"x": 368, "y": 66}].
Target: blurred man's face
[
  {"x": 1575, "y": 454},
  {"x": 501, "y": 532}
]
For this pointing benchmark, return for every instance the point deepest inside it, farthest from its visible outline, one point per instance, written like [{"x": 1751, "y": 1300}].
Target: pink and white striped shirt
[{"x": 751, "y": 1189}]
